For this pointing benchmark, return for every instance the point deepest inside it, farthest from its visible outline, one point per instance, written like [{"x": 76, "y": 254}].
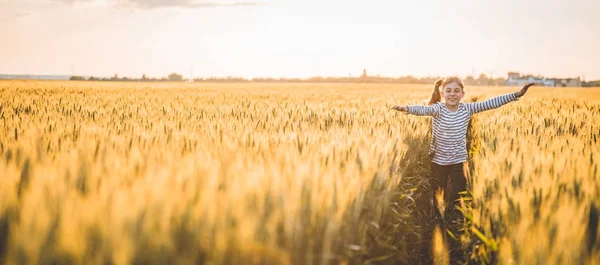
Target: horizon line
[{"x": 493, "y": 76}]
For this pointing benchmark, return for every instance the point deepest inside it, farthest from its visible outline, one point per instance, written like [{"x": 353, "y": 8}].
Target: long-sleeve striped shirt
[{"x": 449, "y": 138}]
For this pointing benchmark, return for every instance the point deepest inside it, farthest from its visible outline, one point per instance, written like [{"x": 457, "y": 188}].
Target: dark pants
[{"x": 452, "y": 180}]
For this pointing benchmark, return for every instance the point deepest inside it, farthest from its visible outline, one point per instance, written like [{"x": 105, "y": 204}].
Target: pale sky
[{"x": 300, "y": 38}]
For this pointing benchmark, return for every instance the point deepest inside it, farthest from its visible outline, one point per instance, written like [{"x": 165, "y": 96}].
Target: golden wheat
[{"x": 157, "y": 173}]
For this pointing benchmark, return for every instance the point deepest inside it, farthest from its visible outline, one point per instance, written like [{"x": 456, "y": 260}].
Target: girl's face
[{"x": 453, "y": 93}]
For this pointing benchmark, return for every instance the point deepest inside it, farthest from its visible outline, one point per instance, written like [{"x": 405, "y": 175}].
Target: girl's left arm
[{"x": 496, "y": 102}]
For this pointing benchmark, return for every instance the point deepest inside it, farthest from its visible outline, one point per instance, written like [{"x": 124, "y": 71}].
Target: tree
[
  {"x": 482, "y": 80},
  {"x": 469, "y": 80},
  {"x": 175, "y": 77}
]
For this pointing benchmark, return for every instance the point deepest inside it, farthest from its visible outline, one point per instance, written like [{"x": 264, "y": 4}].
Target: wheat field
[{"x": 284, "y": 173}]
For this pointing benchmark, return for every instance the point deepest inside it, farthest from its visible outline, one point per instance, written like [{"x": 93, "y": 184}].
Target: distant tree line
[
  {"x": 481, "y": 80},
  {"x": 172, "y": 77},
  {"x": 593, "y": 83}
]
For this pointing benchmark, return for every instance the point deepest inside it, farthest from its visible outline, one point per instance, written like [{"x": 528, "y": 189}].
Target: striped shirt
[{"x": 449, "y": 138}]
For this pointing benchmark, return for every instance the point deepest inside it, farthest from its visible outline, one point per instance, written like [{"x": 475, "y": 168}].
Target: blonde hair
[{"x": 436, "y": 96}]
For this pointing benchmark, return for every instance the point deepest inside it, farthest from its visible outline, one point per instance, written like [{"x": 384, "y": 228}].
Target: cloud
[
  {"x": 12, "y": 10},
  {"x": 151, "y": 4},
  {"x": 16, "y": 9},
  {"x": 6, "y": 16},
  {"x": 72, "y": 1}
]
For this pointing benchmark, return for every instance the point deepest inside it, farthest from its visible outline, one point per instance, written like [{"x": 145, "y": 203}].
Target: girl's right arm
[{"x": 432, "y": 110}]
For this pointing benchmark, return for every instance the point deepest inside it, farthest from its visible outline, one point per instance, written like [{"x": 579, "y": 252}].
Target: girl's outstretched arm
[
  {"x": 524, "y": 89},
  {"x": 432, "y": 110},
  {"x": 496, "y": 102}
]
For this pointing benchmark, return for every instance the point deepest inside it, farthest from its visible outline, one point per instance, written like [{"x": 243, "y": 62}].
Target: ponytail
[{"x": 435, "y": 95}]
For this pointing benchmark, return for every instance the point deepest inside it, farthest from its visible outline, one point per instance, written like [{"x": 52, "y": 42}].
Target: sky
[{"x": 300, "y": 38}]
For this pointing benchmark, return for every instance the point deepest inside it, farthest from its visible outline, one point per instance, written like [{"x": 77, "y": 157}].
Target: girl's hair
[{"x": 436, "y": 96}]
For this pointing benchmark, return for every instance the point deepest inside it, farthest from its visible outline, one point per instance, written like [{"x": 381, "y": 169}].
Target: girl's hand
[
  {"x": 523, "y": 90},
  {"x": 399, "y": 108}
]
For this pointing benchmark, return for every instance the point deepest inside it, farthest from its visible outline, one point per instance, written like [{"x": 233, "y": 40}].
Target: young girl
[{"x": 449, "y": 139}]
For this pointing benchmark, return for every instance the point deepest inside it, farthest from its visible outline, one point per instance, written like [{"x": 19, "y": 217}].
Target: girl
[{"x": 449, "y": 139}]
